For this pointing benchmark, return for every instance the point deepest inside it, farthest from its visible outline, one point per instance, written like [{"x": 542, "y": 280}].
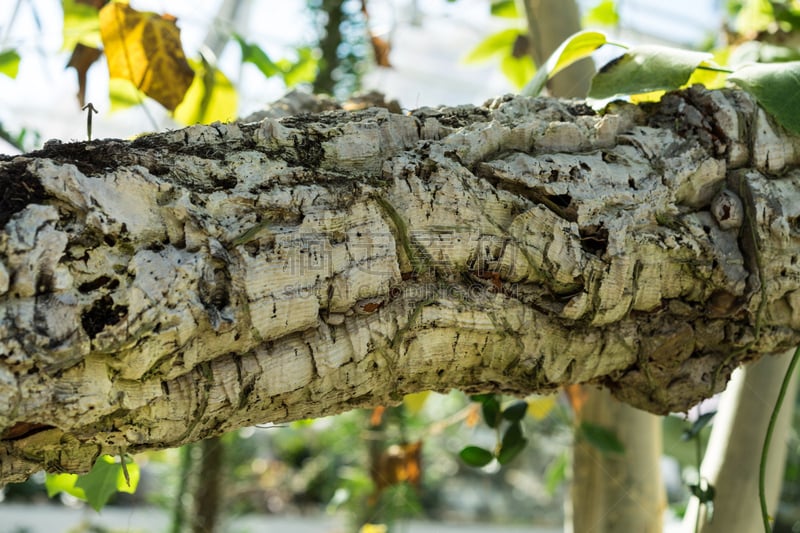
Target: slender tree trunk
[
  {"x": 329, "y": 45},
  {"x": 550, "y": 22},
  {"x": 207, "y": 493},
  {"x": 731, "y": 461},
  {"x": 185, "y": 284},
  {"x": 617, "y": 492}
]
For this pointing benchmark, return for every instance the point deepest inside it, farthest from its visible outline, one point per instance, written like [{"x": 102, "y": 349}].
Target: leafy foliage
[
  {"x": 642, "y": 70},
  {"x": 579, "y": 46},
  {"x": 776, "y": 87},
  {"x": 510, "y": 47},
  {"x": 646, "y": 68},
  {"x": 210, "y": 97},
  {"x": 106, "y": 478},
  {"x": 603, "y": 14},
  {"x": 511, "y": 440},
  {"x": 601, "y": 438},
  {"x": 9, "y": 63}
]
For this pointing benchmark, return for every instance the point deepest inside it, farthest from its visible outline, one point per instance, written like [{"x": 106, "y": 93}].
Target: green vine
[{"x": 762, "y": 468}]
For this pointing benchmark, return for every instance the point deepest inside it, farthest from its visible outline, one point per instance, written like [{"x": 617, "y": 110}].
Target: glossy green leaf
[
  {"x": 476, "y": 456},
  {"x": 601, "y": 438},
  {"x": 500, "y": 43},
  {"x": 644, "y": 69},
  {"x": 505, "y": 9},
  {"x": 106, "y": 478},
  {"x": 776, "y": 87},
  {"x": 516, "y": 411},
  {"x": 603, "y": 14},
  {"x": 9, "y": 63},
  {"x": 698, "y": 425},
  {"x": 512, "y": 444},
  {"x": 490, "y": 408},
  {"x": 575, "y": 48}
]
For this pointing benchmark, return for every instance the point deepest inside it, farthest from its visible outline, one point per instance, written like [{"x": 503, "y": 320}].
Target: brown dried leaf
[
  {"x": 381, "y": 48},
  {"x": 82, "y": 58},
  {"x": 398, "y": 464},
  {"x": 577, "y": 395},
  {"x": 145, "y": 48}
]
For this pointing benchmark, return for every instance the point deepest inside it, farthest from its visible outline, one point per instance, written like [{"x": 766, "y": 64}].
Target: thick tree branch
[{"x": 165, "y": 290}]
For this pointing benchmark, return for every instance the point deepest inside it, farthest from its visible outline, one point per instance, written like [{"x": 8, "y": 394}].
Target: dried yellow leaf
[{"x": 145, "y": 48}]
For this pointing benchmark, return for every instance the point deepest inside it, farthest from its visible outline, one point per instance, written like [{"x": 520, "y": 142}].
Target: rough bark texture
[{"x": 165, "y": 290}]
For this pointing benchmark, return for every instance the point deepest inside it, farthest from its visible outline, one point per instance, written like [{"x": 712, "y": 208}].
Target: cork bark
[{"x": 184, "y": 284}]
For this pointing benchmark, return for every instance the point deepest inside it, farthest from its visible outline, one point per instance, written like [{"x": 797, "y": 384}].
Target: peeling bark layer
[{"x": 165, "y": 290}]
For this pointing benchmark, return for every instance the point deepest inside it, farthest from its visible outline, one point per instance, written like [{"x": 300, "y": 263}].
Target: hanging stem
[{"x": 762, "y": 469}]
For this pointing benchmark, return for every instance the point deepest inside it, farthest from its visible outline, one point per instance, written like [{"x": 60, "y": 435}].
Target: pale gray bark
[{"x": 165, "y": 290}]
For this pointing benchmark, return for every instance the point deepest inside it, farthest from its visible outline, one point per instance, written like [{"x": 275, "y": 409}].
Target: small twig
[
  {"x": 89, "y": 108},
  {"x": 125, "y": 473}
]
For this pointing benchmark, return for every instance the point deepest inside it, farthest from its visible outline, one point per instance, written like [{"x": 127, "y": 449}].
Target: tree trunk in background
[
  {"x": 329, "y": 46},
  {"x": 550, "y": 22},
  {"x": 208, "y": 488},
  {"x": 731, "y": 461},
  {"x": 188, "y": 283},
  {"x": 612, "y": 492},
  {"x": 625, "y": 481}
]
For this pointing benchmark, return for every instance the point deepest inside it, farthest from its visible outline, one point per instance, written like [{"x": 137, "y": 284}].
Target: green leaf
[
  {"x": 754, "y": 16},
  {"x": 480, "y": 398},
  {"x": 516, "y": 411},
  {"x": 601, "y": 438},
  {"x": 81, "y": 25},
  {"x": 646, "y": 68},
  {"x": 701, "y": 422},
  {"x": 575, "y": 48},
  {"x": 106, "y": 478},
  {"x": 490, "y": 408},
  {"x": 518, "y": 70},
  {"x": 513, "y": 442},
  {"x": 57, "y": 483},
  {"x": 124, "y": 94},
  {"x": 476, "y": 456},
  {"x": 500, "y": 43},
  {"x": 556, "y": 473},
  {"x": 304, "y": 70},
  {"x": 210, "y": 97},
  {"x": 603, "y": 14},
  {"x": 9, "y": 63},
  {"x": 253, "y": 54},
  {"x": 505, "y": 9},
  {"x": 776, "y": 87}
]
